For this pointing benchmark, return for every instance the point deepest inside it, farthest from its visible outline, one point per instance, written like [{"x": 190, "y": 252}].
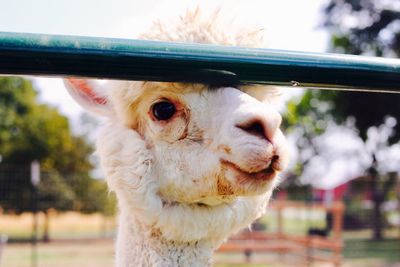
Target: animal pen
[{"x": 52, "y": 55}]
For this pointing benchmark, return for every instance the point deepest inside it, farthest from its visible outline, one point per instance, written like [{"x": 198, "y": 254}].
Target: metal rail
[{"x": 56, "y": 55}]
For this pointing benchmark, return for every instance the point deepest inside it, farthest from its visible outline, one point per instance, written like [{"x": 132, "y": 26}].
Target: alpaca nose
[{"x": 261, "y": 127}]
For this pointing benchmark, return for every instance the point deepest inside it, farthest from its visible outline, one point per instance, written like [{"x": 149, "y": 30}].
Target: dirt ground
[{"x": 99, "y": 253}]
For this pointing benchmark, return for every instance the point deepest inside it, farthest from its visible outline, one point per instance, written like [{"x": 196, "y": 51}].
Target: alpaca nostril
[
  {"x": 274, "y": 159},
  {"x": 255, "y": 127}
]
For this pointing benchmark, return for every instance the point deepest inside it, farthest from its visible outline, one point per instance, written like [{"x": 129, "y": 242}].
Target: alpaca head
[{"x": 189, "y": 161}]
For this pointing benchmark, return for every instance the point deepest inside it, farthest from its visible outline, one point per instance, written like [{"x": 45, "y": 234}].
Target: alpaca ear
[{"x": 89, "y": 95}]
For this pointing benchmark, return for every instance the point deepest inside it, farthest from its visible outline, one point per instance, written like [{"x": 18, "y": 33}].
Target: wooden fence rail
[{"x": 310, "y": 248}]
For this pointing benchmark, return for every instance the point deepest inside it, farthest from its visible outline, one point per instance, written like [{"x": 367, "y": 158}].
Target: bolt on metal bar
[{"x": 57, "y": 55}]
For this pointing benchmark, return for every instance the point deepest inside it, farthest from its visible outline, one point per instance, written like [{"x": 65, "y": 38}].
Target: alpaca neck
[{"x": 137, "y": 245}]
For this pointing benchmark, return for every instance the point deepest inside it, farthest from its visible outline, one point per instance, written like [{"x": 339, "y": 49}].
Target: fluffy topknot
[{"x": 194, "y": 27}]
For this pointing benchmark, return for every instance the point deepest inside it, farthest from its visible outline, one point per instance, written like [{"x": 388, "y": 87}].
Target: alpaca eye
[{"x": 163, "y": 110}]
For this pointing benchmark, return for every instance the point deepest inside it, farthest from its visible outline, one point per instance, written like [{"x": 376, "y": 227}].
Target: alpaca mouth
[
  {"x": 198, "y": 204},
  {"x": 263, "y": 175}
]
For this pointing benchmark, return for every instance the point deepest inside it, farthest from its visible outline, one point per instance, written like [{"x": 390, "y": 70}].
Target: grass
[
  {"x": 387, "y": 250},
  {"x": 83, "y": 254},
  {"x": 359, "y": 250},
  {"x": 62, "y": 225},
  {"x": 75, "y": 225},
  {"x": 99, "y": 253},
  {"x": 297, "y": 221}
]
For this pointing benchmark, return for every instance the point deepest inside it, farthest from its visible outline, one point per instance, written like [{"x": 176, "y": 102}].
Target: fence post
[{"x": 35, "y": 180}]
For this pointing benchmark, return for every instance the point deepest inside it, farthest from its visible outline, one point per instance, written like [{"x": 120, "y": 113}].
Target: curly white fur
[{"x": 185, "y": 184}]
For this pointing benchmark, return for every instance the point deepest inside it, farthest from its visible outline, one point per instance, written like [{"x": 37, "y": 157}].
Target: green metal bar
[{"x": 37, "y": 54}]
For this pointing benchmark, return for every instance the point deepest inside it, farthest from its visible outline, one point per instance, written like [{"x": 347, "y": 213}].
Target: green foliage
[
  {"x": 306, "y": 117},
  {"x": 369, "y": 109},
  {"x": 364, "y": 27},
  {"x": 370, "y": 21},
  {"x": 33, "y": 131},
  {"x": 30, "y": 131},
  {"x": 356, "y": 27},
  {"x": 54, "y": 192},
  {"x": 311, "y": 111},
  {"x": 91, "y": 195}
]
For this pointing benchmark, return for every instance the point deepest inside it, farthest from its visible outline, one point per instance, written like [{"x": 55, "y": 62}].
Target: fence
[
  {"x": 64, "y": 201},
  {"x": 312, "y": 229}
]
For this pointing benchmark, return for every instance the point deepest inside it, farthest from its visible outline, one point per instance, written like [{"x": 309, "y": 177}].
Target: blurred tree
[
  {"x": 306, "y": 117},
  {"x": 364, "y": 27},
  {"x": 357, "y": 27},
  {"x": 33, "y": 131},
  {"x": 371, "y": 28}
]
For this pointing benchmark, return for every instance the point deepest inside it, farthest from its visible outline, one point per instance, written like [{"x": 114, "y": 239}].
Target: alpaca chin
[{"x": 210, "y": 224}]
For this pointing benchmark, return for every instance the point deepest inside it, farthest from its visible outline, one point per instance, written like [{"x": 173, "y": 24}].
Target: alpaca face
[
  {"x": 210, "y": 145},
  {"x": 206, "y": 146}
]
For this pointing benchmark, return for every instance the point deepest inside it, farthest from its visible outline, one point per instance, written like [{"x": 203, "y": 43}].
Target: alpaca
[{"x": 189, "y": 164}]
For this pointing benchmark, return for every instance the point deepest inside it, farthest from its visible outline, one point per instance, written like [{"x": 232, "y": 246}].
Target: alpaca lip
[
  {"x": 169, "y": 204},
  {"x": 266, "y": 174}
]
